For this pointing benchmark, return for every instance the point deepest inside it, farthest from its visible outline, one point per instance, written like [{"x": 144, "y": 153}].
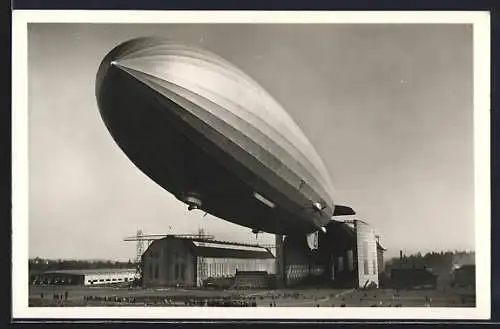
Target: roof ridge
[{"x": 228, "y": 242}]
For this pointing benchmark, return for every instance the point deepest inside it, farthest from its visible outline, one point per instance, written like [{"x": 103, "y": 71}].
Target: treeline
[
  {"x": 438, "y": 262},
  {"x": 36, "y": 265}
]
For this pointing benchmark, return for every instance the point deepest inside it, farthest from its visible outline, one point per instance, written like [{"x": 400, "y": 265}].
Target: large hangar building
[
  {"x": 189, "y": 262},
  {"x": 351, "y": 254},
  {"x": 347, "y": 255}
]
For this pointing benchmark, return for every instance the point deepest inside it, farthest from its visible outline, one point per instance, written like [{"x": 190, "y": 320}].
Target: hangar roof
[
  {"x": 222, "y": 249},
  {"x": 92, "y": 271},
  {"x": 218, "y": 249}
]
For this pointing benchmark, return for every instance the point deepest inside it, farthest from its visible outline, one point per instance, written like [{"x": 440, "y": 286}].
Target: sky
[{"x": 389, "y": 109}]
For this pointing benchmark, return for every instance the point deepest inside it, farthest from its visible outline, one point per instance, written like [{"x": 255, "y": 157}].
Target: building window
[
  {"x": 150, "y": 271},
  {"x": 365, "y": 265},
  {"x": 157, "y": 271},
  {"x": 350, "y": 260},
  {"x": 176, "y": 270},
  {"x": 340, "y": 264},
  {"x": 374, "y": 267}
]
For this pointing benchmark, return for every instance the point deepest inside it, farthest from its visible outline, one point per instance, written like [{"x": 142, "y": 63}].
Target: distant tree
[{"x": 38, "y": 265}]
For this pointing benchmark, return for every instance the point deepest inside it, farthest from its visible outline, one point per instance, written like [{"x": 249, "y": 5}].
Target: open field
[{"x": 324, "y": 297}]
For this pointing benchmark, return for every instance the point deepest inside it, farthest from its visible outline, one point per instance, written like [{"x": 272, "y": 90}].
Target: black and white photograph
[{"x": 251, "y": 165}]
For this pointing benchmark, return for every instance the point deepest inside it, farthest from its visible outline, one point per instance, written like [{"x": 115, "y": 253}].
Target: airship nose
[{"x": 102, "y": 72}]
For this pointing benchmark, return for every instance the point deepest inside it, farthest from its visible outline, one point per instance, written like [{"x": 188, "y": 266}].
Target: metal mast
[{"x": 138, "y": 257}]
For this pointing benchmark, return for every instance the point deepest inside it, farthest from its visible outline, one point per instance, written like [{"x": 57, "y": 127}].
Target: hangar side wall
[
  {"x": 367, "y": 254},
  {"x": 210, "y": 267},
  {"x": 108, "y": 278},
  {"x": 297, "y": 259}
]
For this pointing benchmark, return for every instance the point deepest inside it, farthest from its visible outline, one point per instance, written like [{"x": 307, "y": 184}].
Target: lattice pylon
[{"x": 139, "y": 251}]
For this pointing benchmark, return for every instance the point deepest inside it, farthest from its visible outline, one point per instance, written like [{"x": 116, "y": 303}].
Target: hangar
[
  {"x": 347, "y": 255},
  {"x": 191, "y": 262},
  {"x": 85, "y": 277},
  {"x": 351, "y": 254}
]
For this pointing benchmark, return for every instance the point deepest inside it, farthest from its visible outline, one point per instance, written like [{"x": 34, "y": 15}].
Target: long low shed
[{"x": 84, "y": 277}]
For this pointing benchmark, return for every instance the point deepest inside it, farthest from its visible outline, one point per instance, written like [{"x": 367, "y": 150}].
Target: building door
[{"x": 332, "y": 261}]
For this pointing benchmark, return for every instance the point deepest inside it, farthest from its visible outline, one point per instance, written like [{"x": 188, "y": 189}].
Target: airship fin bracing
[{"x": 213, "y": 137}]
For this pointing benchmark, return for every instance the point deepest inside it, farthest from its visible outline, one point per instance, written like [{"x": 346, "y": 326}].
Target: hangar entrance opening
[{"x": 347, "y": 255}]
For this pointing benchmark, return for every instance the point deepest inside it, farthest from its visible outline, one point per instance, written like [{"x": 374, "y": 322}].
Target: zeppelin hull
[{"x": 196, "y": 139}]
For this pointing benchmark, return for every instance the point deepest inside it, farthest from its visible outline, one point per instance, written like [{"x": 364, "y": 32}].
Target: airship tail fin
[{"x": 343, "y": 211}]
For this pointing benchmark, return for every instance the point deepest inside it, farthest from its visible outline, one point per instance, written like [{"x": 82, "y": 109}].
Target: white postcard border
[{"x": 20, "y": 211}]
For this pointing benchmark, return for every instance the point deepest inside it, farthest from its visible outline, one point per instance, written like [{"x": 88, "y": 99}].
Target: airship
[{"x": 211, "y": 136}]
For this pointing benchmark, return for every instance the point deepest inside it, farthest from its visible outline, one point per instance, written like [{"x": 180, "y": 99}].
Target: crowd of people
[
  {"x": 115, "y": 299},
  {"x": 228, "y": 301},
  {"x": 57, "y": 296},
  {"x": 221, "y": 302}
]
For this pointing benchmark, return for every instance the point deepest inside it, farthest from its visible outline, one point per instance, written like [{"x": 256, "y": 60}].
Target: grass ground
[{"x": 113, "y": 296}]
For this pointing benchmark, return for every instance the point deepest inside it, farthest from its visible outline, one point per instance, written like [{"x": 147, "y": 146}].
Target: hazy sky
[{"x": 388, "y": 108}]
